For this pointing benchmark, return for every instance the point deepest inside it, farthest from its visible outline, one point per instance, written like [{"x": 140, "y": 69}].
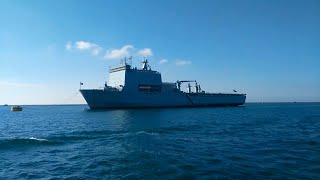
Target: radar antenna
[
  {"x": 145, "y": 65},
  {"x": 126, "y": 61}
]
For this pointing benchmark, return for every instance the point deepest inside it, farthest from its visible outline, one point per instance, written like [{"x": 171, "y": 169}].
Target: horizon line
[{"x": 252, "y": 102}]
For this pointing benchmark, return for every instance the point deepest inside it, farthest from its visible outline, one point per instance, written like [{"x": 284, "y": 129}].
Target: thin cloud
[
  {"x": 163, "y": 61},
  {"x": 183, "y": 62},
  {"x": 119, "y": 53},
  {"x": 68, "y": 46},
  {"x": 93, "y": 48},
  {"x": 111, "y": 53},
  {"x": 146, "y": 52},
  {"x": 96, "y": 51}
]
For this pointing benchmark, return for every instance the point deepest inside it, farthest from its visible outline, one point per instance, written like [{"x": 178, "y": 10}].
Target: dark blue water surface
[{"x": 273, "y": 140}]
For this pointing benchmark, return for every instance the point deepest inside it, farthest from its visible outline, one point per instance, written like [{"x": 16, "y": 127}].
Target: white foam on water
[{"x": 37, "y": 139}]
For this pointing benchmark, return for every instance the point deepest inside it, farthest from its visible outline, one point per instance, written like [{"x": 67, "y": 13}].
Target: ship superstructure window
[{"x": 149, "y": 88}]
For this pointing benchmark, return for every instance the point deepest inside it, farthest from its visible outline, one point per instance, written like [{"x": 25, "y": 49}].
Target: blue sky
[{"x": 267, "y": 49}]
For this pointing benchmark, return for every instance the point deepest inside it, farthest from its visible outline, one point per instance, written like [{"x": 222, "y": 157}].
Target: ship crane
[
  {"x": 180, "y": 82},
  {"x": 198, "y": 88}
]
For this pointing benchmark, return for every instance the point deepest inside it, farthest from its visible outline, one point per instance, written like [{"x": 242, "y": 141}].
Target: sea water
[{"x": 272, "y": 140}]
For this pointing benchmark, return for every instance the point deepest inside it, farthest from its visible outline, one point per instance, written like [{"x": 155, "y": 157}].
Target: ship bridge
[{"x": 124, "y": 77}]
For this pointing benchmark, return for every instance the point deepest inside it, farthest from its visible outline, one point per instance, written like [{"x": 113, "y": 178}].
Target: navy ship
[{"x": 130, "y": 87}]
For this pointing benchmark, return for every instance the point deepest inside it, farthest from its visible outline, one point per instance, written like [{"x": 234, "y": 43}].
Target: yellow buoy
[{"x": 16, "y": 108}]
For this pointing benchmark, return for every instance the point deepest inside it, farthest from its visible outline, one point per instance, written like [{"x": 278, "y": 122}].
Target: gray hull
[{"x": 103, "y": 99}]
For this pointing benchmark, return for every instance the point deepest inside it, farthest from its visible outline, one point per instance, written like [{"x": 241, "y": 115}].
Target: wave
[
  {"x": 147, "y": 133},
  {"x": 58, "y": 139},
  {"x": 176, "y": 129},
  {"x": 37, "y": 139},
  {"x": 25, "y": 142},
  {"x": 87, "y": 135}
]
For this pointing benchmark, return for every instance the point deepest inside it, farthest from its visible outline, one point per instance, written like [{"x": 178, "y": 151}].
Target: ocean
[{"x": 255, "y": 141}]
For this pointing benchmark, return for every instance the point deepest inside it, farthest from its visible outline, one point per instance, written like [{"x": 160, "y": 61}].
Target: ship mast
[{"x": 145, "y": 65}]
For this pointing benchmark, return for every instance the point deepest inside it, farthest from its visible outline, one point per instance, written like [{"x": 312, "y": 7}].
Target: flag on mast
[{"x": 81, "y": 84}]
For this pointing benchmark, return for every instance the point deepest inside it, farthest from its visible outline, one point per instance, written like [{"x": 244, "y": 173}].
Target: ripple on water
[{"x": 256, "y": 142}]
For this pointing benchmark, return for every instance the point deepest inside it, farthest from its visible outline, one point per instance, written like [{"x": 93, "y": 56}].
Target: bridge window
[{"x": 149, "y": 88}]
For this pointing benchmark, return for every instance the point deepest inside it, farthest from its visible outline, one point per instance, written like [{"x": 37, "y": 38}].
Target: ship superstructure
[{"x": 142, "y": 88}]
